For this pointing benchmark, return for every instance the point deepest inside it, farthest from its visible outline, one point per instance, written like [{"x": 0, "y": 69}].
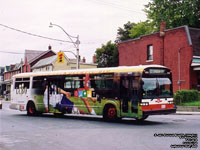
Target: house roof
[
  {"x": 31, "y": 54},
  {"x": 7, "y": 68},
  {"x": 51, "y": 59},
  {"x": 45, "y": 62}
]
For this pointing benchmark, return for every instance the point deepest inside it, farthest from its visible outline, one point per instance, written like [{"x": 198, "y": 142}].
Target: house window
[{"x": 149, "y": 52}]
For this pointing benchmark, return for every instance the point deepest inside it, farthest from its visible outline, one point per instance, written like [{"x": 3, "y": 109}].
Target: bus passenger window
[
  {"x": 67, "y": 84},
  {"x": 38, "y": 83},
  {"x": 74, "y": 82}
]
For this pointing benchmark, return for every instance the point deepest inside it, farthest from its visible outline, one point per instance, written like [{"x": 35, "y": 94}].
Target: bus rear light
[
  {"x": 144, "y": 104},
  {"x": 21, "y": 107},
  {"x": 170, "y": 102}
]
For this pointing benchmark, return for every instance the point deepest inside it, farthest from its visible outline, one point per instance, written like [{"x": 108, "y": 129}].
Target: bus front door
[
  {"x": 129, "y": 94},
  {"x": 124, "y": 94}
]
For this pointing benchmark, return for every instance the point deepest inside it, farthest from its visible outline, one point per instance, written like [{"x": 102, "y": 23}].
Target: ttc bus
[{"x": 117, "y": 92}]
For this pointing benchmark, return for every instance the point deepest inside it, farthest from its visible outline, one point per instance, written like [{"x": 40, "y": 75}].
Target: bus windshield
[{"x": 156, "y": 87}]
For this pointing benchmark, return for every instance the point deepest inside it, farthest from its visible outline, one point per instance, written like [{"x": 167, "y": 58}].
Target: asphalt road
[{"x": 46, "y": 132}]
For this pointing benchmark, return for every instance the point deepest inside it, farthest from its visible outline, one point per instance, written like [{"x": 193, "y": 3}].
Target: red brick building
[{"x": 177, "y": 49}]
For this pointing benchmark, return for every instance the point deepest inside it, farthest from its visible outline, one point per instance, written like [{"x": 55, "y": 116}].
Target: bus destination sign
[{"x": 157, "y": 71}]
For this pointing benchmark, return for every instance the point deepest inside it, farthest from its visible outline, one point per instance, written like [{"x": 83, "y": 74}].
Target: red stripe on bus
[{"x": 157, "y": 107}]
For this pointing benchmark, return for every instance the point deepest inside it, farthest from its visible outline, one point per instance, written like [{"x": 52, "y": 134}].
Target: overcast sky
[{"x": 95, "y": 21}]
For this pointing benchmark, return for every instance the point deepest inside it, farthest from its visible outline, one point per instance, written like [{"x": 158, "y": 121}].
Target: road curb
[
  {"x": 188, "y": 108},
  {"x": 187, "y": 113}
]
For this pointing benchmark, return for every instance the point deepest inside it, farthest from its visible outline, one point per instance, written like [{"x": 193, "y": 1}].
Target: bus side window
[
  {"x": 102, "y": 84},
  {"x": 38, "y": 83},
  {"x": 17, "y": 85},
  {"x": 68, "y": 84},
  {"x": 74, "y": 82}
]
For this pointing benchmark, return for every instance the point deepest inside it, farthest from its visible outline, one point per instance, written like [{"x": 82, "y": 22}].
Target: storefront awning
[{"x": 195, "y": 63}]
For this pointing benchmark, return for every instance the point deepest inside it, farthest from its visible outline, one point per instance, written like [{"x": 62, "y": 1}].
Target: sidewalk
[{"x": 187, "y": 113}]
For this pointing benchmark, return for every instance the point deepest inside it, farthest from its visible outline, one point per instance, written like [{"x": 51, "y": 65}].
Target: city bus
[{"x": 114, "y": 93}]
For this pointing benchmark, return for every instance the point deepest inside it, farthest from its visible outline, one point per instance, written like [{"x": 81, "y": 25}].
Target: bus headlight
[
  {"x": 170, "y": 102},
  {"x": 144, "y": 104}
]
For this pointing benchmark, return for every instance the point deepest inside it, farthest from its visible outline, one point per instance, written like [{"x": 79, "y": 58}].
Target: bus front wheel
[
  {"x": 31, "y": 110},
  {"x": 110, "y": 113}
]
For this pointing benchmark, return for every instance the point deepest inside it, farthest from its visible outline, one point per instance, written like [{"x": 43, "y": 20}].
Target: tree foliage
[
  {"x": 141, "y": 28},
  {"x": 174, "y": 12},
  {"x": 124, "y": 33},
  {"x": 134, "y": 30},
  {"x": 107, "y": 55}
]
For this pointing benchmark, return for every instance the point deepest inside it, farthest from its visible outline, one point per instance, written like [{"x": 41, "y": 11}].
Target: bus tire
[
  {"x": 31, "y": 109},
  {"x": 110, "y": 113}
]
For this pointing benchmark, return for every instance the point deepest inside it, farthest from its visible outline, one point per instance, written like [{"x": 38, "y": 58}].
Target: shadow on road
[{"x": 124, "y": 121}]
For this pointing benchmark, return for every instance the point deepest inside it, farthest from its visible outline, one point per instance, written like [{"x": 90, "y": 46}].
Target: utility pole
[{"x": 76, "y": 44}]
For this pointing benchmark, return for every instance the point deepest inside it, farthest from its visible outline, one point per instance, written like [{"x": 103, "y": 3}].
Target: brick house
[
  {"x": 31, "y": 57},
  {"x": 177, "y": 49}
]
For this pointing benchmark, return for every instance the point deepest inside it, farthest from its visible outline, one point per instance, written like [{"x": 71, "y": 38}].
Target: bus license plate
[{"x": 163, "y": 106}]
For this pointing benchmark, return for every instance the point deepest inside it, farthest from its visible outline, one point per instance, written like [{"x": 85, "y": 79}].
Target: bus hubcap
[
  {"x": 30, "y": 110},
  {"x": 111, "y": 112}
]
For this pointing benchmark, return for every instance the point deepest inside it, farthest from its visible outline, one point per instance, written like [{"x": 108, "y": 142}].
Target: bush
[{"x": 186, "y": 96}]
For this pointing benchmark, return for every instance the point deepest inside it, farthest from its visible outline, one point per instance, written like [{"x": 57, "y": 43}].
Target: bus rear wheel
[
  {"x": 31, "y": 110},
  {"x": 110, "y": 113}
]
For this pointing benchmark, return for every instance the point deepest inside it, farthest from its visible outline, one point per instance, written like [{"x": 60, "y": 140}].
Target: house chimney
[
  {"x": 83, "y": 60},
  {"x": 162, "y": 28},
  {"x": 49, "y": 47},
  {"x": 94, "y": 59}
]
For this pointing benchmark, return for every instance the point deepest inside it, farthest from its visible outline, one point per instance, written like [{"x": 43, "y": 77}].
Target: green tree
[
  {"x": 174, "y": 12},
  {"x": 134, "y": 30},
  {"x": 107, "y": 55},
  {"x": 141, "y": 28},
  {"x": 124, "y": 33}
]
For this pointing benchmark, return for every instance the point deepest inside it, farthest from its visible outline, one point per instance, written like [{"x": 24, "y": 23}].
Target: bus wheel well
[
  {"x": 110, "y": 112},
  {"x": 31, "y": 109}
]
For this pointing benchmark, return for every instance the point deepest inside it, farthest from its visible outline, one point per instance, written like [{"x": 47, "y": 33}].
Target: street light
[{"x": 76, "y": 44}]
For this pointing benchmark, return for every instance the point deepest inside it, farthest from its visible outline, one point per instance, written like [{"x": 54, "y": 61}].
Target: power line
[
  {"x": 10, "y": 52},
  {"x": 36, "y": 35},
  {"x": 40, "y": 36},
  {"x": 115, "y": 5}
]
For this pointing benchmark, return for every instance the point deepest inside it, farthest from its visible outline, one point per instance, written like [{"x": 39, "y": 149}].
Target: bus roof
[{"x": 139, "y": 68}]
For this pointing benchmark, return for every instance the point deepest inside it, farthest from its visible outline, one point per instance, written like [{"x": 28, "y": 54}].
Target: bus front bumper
[
  {"x": 160, "y": 112},
  {"x": 21, "y": 107}
]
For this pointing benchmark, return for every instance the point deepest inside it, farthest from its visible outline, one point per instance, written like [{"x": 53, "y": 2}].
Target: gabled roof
[
  {"x": 50, "y": 60},
  {"x": 7, "y": 68},
  {"x": 45, "y": 62},
  {"x": 32, "y": 55}
]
